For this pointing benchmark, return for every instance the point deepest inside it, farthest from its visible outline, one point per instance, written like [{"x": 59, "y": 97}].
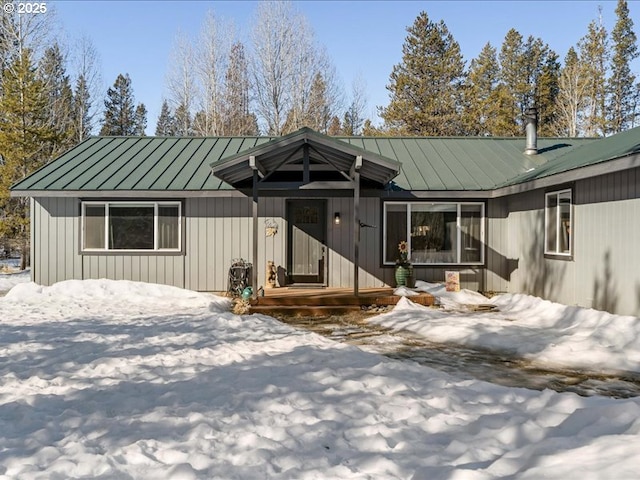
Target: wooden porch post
[
  {"x": 254, "y": 270},
  {"x": 356, "y": 224}
]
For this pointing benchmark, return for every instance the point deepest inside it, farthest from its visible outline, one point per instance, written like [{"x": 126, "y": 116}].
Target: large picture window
[
  {"x": 132, "y": 226},
  {"x": 436, "y": 233},
  {"x": 557, "y": 214}
]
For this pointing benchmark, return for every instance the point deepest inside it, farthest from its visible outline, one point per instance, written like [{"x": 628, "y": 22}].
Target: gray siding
[
  {"x": 56, "y": 247},
  {"x": 498, "y": 261},
  {"x": 217, "y": 230},
  {"x": 607, "y": 225},
  {"x": 341, "y": 241},
  {"x": 604, "y": 272},
  {"x": 55, "y": 234}
]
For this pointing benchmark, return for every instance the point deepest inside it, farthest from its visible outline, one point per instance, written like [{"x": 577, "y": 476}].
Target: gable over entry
[{"x": 306, "y": 160}]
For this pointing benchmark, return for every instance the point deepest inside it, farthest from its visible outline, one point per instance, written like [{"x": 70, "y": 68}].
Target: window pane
[
  {"x": 564, "y": 210},
  {"x": 168, "y": 226},
  {"x": 551, "y": 222},
  {"x": 131, "y": 227},
  {"x": 434, "y": 233},
  {"x": 396, "y": 230},
  {"x": 94, "y": 226},
  {"x": 470, "y": 227}
]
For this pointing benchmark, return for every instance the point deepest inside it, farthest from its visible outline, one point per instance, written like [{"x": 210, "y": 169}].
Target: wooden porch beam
[
  {"x": 328, "y": 185},
  {"x": 256, "y": 165},
  {"x": 330, "y": 162},
  {"x": 283, "y": 162}
]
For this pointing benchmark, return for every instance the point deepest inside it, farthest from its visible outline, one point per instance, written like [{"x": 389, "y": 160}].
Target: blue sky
[{"x": 362, "y": 37}]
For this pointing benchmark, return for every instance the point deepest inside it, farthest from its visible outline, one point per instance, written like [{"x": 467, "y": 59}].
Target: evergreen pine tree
[
  {"x": 425, "y": 88},
  {"x": 25, "y": 136},
  {"x": 370, "y": 130},
  {"x": 594, "y": 57},
  {"x": 546, "y": 90},
  {"x": 183, "y": 123},
  {"x": 82, "y": 120},
  {"x": 237, "y": 119},
  {"x": 59, "y": 99},
  {"x": 513, "y": 76},
  {"x": 529, "y": 71},
  {"x": 140, "y": 120},
  {"x": 621, "y": 84},
  {"x": 334, "y": 127},
  {"x": 166, "y": 123},
  {"x": 119, "y": 114},
  {"x": 481, "y": 104},
  {"x": 353, "y": 122},
  {"x": 348, "y": 124},
  {"x": 317, "y": 114}
]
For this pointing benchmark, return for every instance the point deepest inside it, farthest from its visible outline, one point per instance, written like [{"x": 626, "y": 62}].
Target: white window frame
[
  {"x": 558, "y": 225},
  {"x": 459, "y": 206},
  {"x": 156, "y": 206}
]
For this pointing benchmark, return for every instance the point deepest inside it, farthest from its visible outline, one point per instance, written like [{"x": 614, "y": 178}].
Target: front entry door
[{"x": 306, "y": 239}]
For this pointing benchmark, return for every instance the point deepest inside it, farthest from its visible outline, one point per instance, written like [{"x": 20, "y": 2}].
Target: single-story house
[{"x": 553, "y": 217}]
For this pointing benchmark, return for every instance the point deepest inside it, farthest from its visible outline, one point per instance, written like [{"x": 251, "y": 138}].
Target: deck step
[
  {"x": 317, "y": 305},
  {"x": 304, "y": 310},
  {"x": 337, "y": 301}
]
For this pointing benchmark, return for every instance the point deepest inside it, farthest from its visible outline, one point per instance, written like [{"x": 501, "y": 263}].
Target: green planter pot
[{"x": 402, "y": 275}]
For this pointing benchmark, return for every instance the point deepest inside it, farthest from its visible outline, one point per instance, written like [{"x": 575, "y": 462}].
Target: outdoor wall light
[{"x": 336, "y": 218}]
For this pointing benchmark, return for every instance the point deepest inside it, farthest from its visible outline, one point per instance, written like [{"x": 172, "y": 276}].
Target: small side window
[{"x": 558, "y": 223}]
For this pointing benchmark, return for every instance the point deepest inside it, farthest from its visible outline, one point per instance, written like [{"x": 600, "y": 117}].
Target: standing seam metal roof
[{"x": 158, "y": 164}]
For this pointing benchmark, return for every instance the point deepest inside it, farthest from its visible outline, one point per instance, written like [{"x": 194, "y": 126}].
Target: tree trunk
[{"x": 24, "y": 255}]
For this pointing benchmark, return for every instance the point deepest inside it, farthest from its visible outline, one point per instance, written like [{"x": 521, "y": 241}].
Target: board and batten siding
[
  {"x": 341, "y": 241},
  {"x": 56, "y": 251},
  {"x": 498, "y": 263},
  {"x": 55, "y": 233},
  {"x": 216, "y": 231},
  {"x": 219, "y": 230},
  {"x": 604, "y": 272},
  {"x": 607, "y": 240}
]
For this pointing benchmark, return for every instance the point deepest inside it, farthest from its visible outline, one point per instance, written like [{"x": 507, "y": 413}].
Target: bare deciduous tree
[
  {"x": 274, "y": 38},
  {"x": 88, "y": 87},
  {"x": 286, "y": 64},
  {"x": 17, "y": 32},
  {"x": 181, "y": 82},
  {"x": 210, "y": 63},
  {"x": 354, "y": 115},
  {"x": 571, "y": 100}
]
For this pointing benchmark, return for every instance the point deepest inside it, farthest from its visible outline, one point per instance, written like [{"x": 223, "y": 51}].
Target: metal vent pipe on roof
[{"x": 531, "y": 130}]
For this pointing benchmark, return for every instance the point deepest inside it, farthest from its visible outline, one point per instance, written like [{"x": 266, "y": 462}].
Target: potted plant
[{"x": 404, "y": 270}]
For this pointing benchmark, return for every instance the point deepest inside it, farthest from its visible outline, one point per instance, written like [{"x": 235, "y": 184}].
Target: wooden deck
[{"x": 325, "y": 301}]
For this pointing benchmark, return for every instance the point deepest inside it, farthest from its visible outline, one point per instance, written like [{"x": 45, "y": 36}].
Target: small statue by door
[{"x": 271, "y": 274}]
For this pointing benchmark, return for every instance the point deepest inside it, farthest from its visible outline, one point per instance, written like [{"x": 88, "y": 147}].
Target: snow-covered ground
[
  {"x": 10, "y": 274},
  {"x": 105, "y": 379},
  {"x": 546, "y": 332}
]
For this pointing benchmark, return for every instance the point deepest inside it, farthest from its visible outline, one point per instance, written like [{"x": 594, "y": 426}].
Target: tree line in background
[
  {"x": 51, "y": 97},
  {"x": 216, "y": 88},
  {"x": 593, "y": 93}
]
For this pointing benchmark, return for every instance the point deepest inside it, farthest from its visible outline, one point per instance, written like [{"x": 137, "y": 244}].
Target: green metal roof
[
  {"x": 176, "y": 164},
  {"x": 138, "y": 163},
  {"x": 463, "y": 163},
  {"x": 603, "y": 150}
]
